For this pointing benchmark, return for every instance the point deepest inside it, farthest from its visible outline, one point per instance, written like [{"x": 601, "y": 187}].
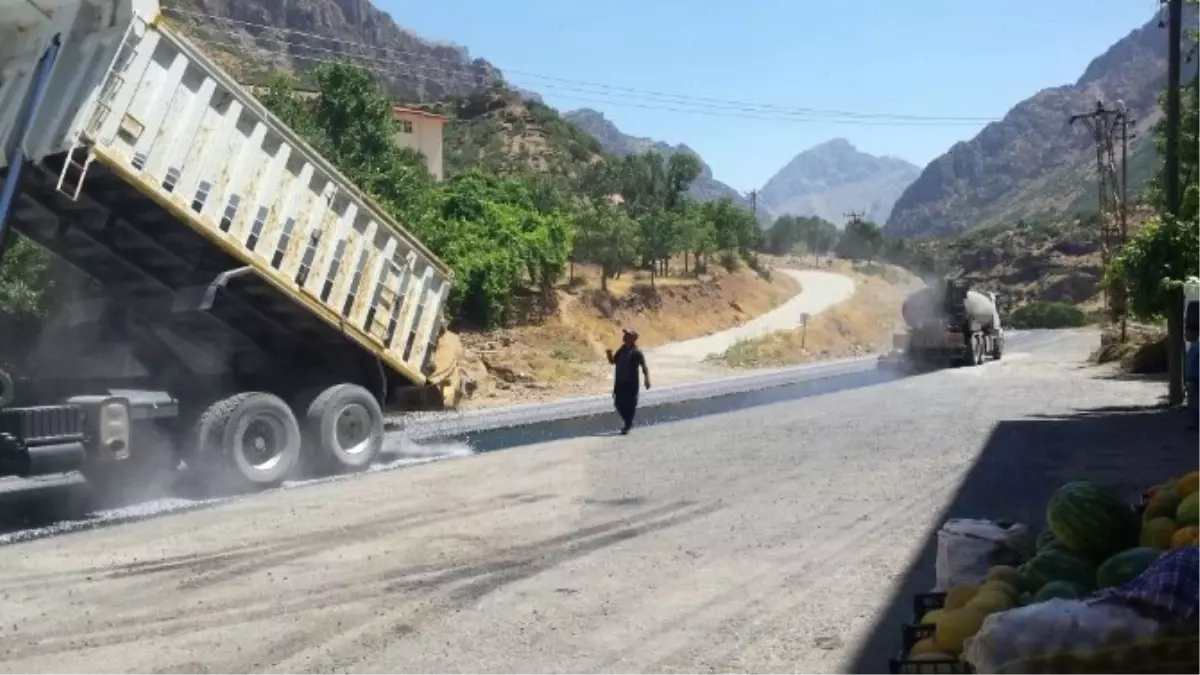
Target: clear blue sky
[{"x": 939, "y": 58}]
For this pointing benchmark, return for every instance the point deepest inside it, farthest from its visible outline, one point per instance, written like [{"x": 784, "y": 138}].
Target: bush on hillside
[{"x": 1048, "y": 315}]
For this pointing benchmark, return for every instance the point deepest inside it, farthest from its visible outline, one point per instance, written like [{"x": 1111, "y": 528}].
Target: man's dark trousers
[{"x": 626, "y": 399}]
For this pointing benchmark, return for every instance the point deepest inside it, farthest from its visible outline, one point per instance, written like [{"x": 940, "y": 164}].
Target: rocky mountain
[
  {"x": 305, "y": 33},
  {"x": 1031, "y": 164},
  {"x": 616, "y": 142},
  {"x": 835, "y": 178}
]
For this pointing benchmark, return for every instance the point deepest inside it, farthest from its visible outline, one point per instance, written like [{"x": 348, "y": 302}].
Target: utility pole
[
  {"x": 1171, "y": 192},
  {"x": 1104, "y": 125},
  {"x": 754, "y": 204},
  {"x": 854, "y": 216}
]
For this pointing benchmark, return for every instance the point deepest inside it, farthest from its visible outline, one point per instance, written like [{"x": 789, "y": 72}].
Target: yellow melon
[
  {"x": 1006, "y": 573},
  {"x": 1157, "y": 532},
  {"x": 1185, "y": 536},
  {"x": 932, "y": 616},
  {"x": 923, "y": 646},
  {"x": 954, "y": 627},
  {"x": 997, "y": 586},
  {"x": 990, "y": 602},
  {"x": 958, "y": 596},
  {"x": 1161, "y": 505},
  {"x": 1188, "y": 484}
]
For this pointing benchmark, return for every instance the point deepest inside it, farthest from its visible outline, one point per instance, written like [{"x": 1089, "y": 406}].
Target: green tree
[
  {"x": 861, "y": 240},
  {"x": 606, "y": 236},
  {"x": 736, "y": 229},
  {"x": 682, "y": 169},
  {"x": 1153, "y": 263},
  {"x": 820, "y": 235},
  {"x": 783, "y": 235},
  {"x": 24, "y": 279},
  {"x": 1048, "y": 315}
]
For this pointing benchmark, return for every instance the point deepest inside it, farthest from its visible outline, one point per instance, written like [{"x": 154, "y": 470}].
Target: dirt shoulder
[{"x": 862, "y": 324}]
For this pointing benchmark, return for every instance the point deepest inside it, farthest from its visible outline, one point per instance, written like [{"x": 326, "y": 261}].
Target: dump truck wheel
[
  {"x": 343, "y": 428},
  {"x": 250, "y": 438}
]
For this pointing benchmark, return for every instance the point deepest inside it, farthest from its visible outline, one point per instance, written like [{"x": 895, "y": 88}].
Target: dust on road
[{"x": 767, "y": 539}]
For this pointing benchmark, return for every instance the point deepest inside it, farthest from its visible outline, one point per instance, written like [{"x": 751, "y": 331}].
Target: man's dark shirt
[{"x": 627, "y": 361}]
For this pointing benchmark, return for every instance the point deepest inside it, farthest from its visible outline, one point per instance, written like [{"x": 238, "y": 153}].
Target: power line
[
  {"x": 400, "y": 67},
  {"x": 581, "y": 86}
]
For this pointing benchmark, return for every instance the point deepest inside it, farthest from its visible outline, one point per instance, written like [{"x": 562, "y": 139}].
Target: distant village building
[
  {"x": 421, "y": 131},
  {"x": 416, "y": 129}
]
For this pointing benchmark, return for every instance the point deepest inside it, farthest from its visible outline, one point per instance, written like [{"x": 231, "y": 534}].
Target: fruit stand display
[{"x": 1092, "y": 541}]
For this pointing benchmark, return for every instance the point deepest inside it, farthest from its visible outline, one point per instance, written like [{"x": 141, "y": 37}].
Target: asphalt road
[
  {"x": 62, "y": 503},
  {"x": 776, "y": 537}
]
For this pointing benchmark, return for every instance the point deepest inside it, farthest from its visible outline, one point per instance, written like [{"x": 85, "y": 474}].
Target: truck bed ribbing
[{"x": 156, "y": 113}]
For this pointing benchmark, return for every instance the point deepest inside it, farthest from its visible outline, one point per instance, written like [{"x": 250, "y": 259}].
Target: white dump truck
[
  {"x": 249, "y": 307},
  {"x": 949, "y": 324}
]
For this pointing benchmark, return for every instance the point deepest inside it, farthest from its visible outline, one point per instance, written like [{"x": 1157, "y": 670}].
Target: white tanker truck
[{"x": 950, "y": 325}]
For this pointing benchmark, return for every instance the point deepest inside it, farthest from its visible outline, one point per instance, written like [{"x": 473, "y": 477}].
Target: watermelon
[
  {"x": 1126, "y": 566},
  {"x": 1090, "y": 521},
  {"x": 1059, "y": 565},
  {"x": 1045, "y": 539},
  {"x": 1066, "y": 590}
]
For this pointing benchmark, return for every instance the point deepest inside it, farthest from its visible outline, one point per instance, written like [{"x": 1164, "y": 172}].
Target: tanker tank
[{"x": 929, "y": 304}]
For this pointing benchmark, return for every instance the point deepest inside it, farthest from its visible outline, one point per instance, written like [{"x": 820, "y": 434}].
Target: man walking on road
[{"x": 626, "y": 362}]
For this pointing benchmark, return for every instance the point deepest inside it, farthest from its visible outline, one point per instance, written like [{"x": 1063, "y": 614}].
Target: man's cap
[{"x": 630, "y": 332}]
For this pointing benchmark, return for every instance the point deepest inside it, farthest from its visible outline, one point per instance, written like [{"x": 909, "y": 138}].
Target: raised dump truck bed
[{"x": 248, "y": 300}]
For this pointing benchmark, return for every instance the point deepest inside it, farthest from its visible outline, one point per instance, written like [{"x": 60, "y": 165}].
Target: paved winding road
[
  {"x": 818, "y": 291},
  {"x": 771, "y": 538}
]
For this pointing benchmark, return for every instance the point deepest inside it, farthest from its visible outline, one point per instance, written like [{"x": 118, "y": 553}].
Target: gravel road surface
[
  {"x": 818, "y": 292},
  {"x": 771, "y": 538}
]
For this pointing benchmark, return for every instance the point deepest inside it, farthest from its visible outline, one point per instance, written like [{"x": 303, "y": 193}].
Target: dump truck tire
[
  {"x": 343, "y": 428},
  {"x": 251, "y": 438}
]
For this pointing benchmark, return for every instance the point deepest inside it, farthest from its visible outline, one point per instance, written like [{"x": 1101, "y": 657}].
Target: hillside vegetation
[{"x": 500, "y": 132}]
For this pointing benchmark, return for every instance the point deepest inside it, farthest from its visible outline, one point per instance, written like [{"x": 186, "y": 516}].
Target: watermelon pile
[{"x": 1093, "y": 540}]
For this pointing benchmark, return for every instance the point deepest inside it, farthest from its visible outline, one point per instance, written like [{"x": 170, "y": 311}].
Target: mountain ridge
[
  {"x": 1030, "y": 163},
  {"x": 833, "y": 178}
]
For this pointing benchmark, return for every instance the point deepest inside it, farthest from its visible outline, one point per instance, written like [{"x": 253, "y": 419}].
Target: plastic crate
[
  {"x": 902, "y": 665},
  {"x": 923, "y": 603}
]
